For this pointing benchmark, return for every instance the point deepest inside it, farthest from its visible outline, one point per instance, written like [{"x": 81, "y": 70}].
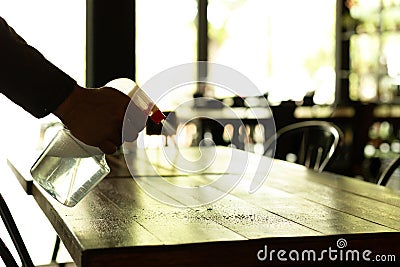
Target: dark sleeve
[{"x": 27, "y": 78}]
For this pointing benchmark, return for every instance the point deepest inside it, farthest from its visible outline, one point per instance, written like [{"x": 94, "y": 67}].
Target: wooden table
[{"x": 296, "y": 211}]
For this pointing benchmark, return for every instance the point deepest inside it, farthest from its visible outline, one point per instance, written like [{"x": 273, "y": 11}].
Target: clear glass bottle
[{"x": 68, "y": 169}]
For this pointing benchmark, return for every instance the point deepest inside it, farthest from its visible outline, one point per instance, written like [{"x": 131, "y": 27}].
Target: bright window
[
  {"x": 57, "y": 29},
  {"x": 286, "y": 47},
  {"x": 166, "y": 36}
]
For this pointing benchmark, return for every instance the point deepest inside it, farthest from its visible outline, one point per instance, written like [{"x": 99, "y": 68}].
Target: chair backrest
[
  {"x": 309, "y": 143},
  {"x": 387, "y": 173},
  {"x": 12, "y": 229}
]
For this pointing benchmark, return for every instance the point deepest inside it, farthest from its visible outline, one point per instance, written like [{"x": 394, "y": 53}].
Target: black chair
[
  {"x": 309, "y": 143},
  {"x": 387, "y": 173},
  {"x": 16, "y": 238},
  {"x": 18, "y": 242}
]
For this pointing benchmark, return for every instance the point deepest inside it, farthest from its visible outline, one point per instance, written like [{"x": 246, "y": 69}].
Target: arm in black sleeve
[{"x": 27, "y": 78}]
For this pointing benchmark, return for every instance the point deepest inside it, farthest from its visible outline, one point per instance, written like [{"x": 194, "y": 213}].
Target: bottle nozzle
[
  {"x": 139, "y": 97},
  {"x": 157, "y": 116}
]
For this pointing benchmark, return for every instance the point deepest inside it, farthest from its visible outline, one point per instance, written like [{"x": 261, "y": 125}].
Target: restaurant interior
[{"x": 331, "y": 66}]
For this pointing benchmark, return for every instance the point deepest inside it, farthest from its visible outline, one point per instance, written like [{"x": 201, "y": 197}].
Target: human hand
[{"x": 97, "y": 116}]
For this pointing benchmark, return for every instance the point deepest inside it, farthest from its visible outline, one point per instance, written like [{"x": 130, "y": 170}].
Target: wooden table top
[{"x": 118, "y": 223}]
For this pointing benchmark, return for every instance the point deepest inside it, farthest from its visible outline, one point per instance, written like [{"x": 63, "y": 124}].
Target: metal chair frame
[
  {"x": 388, "y": 171},
  {"x": 313, "y": 158},
  {"x": 16, "y": 238}
]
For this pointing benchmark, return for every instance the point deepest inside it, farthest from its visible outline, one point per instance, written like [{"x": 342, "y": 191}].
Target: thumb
[{"x": 108, "y": 147}]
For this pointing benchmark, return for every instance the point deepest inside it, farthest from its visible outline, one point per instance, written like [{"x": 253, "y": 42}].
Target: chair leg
[
  {"x": 14, "y": 233},
  {"x": 56, "y": 249},
  {"x": 6, "y": 255}
]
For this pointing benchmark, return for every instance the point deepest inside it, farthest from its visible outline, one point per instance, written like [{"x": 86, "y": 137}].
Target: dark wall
[{"x": 110, "y": 46}]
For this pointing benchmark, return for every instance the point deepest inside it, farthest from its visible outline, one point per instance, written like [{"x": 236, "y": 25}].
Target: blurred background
[
  {"x": 328, "y": 60},
  {"x": 331, "y": 60}
]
